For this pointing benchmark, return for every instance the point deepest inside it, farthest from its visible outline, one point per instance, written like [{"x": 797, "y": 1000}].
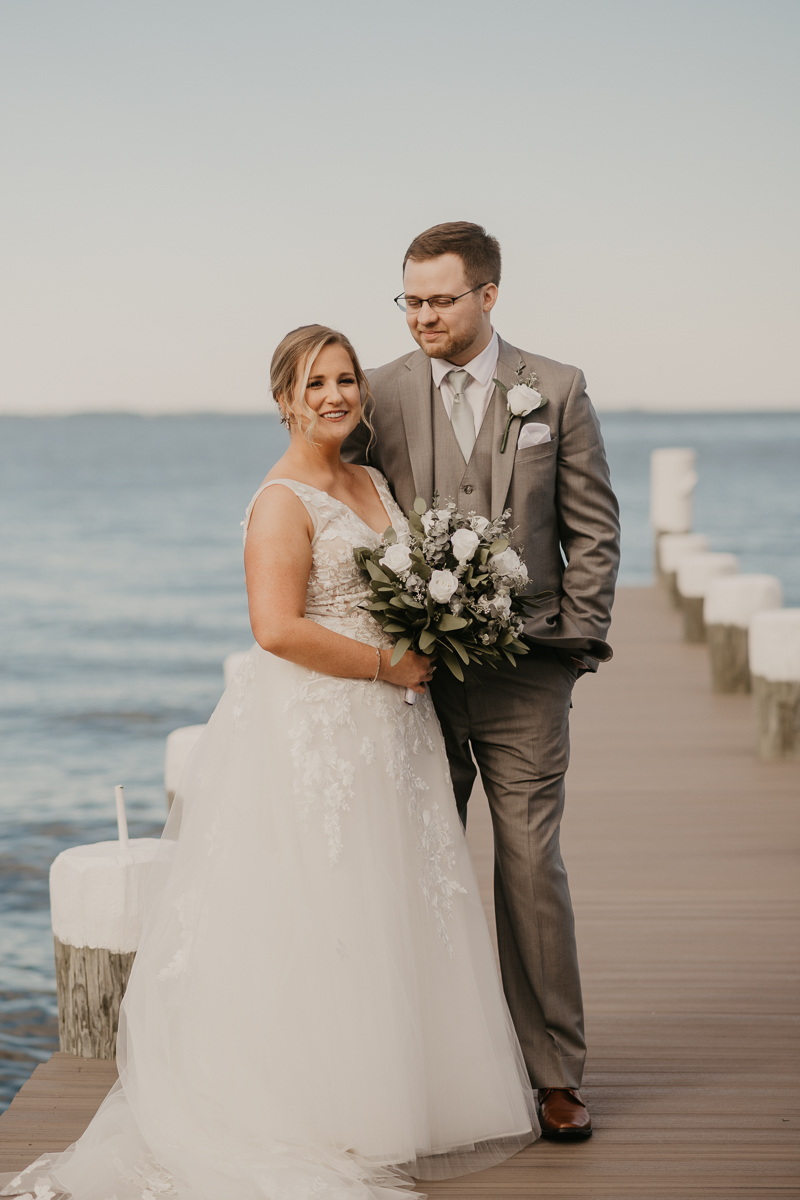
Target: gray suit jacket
[{"x": 559, "y": 492}]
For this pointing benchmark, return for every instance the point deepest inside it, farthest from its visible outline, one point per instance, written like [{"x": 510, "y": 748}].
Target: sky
[{"x": 184, "y": 181}]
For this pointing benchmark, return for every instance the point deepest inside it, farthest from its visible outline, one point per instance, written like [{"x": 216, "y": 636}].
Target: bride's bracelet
[{"x": 378, "y": 668}]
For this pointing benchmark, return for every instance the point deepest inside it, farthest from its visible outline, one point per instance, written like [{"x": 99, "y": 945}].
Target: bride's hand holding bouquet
[{"x": 455, "y": 590}]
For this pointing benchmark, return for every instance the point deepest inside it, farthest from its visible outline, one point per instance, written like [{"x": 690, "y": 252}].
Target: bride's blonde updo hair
[{"x": 291, "y": 367}]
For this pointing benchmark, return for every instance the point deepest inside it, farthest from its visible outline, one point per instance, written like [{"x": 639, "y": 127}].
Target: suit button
[{"x": 469, "y": 489}]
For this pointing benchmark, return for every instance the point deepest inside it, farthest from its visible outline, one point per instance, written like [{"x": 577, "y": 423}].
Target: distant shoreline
[{"x": 273, "y": 416}]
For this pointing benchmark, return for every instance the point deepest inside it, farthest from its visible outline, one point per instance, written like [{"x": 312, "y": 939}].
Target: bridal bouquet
[{"x": 454, "y": 591}]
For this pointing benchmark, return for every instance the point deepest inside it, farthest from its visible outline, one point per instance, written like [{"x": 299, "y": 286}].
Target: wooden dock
[{"x": 681, "y": 849}]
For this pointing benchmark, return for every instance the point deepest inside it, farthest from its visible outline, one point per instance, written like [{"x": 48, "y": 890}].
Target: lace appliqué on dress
[
  {"x": 407, "y": 733},
  {"x": 323, "y": 780},
  {"x": 41, "y": 1188},
  {"x": 186, "y": 905},
  {"x": 154, "y": 1181},
  {"x": 323, "y": 777}
]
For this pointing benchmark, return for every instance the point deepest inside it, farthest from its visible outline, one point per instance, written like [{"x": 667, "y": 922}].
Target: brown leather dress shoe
[{"x": 563, "y": 1115}]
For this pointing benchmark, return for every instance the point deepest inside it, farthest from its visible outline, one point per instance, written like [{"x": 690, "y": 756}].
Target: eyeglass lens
[{"x": 437, "y": 303}]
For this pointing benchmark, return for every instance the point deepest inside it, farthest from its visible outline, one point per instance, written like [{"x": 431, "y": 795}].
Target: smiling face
[
  {"x": 333, "y": 395},
  {"x": 457, "y": 333}
]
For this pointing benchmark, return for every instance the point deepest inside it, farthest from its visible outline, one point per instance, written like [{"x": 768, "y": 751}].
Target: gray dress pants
[{"x": 515, "y": 721}]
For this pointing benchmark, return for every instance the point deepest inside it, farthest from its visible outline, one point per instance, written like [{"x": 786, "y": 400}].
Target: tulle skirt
[{"x": 314, "y": 1009}]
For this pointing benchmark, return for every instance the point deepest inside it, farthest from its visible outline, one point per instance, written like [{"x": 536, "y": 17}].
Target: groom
[{"x": 439, "y": 420}]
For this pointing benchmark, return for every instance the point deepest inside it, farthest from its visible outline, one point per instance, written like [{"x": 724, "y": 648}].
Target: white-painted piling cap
[
  {"x": 180, "y": 744},
  {"x": 672, "y": 481},
  {"x": 774, "y": 645},
  {"x": 97, "y": 892},
  {"x": 696, "y": 572},
  {"x": 672, "y": 547},
  {"x": 232, "y": 663},
  {"x": 735, "y": 599}
]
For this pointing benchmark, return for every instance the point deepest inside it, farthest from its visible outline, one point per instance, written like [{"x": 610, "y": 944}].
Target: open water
[{"x": 121, "y": 591}]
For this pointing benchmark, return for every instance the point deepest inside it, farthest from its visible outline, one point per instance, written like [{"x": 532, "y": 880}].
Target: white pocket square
[{"x": 533, "y": 434}]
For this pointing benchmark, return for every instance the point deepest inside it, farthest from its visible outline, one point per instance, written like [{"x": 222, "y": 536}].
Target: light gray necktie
[{"x": 461, "y": 417}]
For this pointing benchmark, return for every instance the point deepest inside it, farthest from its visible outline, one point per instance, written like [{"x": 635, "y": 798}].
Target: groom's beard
[{"x": 447, "y": 348}]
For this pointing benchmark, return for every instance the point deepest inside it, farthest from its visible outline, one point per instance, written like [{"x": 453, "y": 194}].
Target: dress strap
[{"x": 301, "y": 490}]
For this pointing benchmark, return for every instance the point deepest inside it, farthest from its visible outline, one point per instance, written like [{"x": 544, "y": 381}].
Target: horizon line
[{"x": 632, "y": 410}]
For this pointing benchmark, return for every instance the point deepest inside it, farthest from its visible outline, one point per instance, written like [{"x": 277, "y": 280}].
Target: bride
[{"x": 314, "y": 1009}]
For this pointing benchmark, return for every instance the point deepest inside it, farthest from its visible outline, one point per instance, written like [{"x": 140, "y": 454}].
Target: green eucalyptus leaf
[
  {"x": 459, "y": 649},
  {"x": 427, "y": 640},
  {"x": 420, "y": 506},
  {"x": 375, "y": 572},
  {"x": 393, "y": 628},
  {"x": 499, "y": 546},
  {"x": 447, "y": 621},
  {"x": 389, "y": 536},
  {"x": 452, "y": 663},
  {"x": 502, "y": 386},
  {"x": 400, "y": 650}
]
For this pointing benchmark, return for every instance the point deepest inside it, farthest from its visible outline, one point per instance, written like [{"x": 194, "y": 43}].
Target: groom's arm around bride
[{"x": 441, "y": 416}]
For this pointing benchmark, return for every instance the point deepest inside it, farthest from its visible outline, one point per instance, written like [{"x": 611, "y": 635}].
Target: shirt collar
[{"x": 482, "y": 367}]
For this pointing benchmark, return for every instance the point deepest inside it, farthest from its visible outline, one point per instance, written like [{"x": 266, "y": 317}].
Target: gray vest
[{"x": 469, "y": 484}]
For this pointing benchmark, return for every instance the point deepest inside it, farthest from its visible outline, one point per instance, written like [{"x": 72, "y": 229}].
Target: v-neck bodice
[{"x": 335, "y": 584}]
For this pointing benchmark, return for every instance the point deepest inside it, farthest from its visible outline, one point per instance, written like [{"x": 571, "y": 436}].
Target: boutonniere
[{"x": 523, "y": 398}]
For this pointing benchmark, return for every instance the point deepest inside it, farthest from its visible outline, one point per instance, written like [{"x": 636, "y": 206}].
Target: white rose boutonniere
[{"x": 523, "y": 398}]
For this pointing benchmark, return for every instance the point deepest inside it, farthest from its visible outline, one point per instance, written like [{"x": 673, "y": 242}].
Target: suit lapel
[
  {"x": 415, "y": 397},
  {"x": 503, "y": 464}
]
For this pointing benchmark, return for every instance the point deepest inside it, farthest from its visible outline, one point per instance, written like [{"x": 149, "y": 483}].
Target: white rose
[
  {"x": 523, "y": 400},
  {"x": 508, "y": 563},
  {"x": 500, "y": 606},
  {"x": 479, "y": 524},
  {"x": 397, "y": 558},
  {"x": 464, "y": 543},
  {"x": 428, "y": 519},
  {"x": 442, "y": 585}
]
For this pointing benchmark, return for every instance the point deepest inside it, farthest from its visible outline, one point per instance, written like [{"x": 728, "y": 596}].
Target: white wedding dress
[{"x": 314, "y": 1009}]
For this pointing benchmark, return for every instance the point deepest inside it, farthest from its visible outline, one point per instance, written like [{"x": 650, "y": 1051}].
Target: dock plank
[{"x": 682, "y": 853}]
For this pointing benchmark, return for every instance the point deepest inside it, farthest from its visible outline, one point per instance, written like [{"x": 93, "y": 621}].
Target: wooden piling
[
  {"x": 728, "y": 656},
  {"x": 777, "y": 703},
  {"x": 90, "y": 985},
  {"x": 694, "y": 627}
]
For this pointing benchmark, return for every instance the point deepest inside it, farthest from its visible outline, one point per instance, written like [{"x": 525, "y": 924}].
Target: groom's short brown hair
[{"x": 477, "y": 249}]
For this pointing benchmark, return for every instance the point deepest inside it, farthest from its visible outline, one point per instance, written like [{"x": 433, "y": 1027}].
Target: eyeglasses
[{"x": 437, "y": 303}]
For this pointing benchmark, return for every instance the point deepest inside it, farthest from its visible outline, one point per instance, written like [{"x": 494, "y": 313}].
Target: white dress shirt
[{"x": 479, "y": 390}]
